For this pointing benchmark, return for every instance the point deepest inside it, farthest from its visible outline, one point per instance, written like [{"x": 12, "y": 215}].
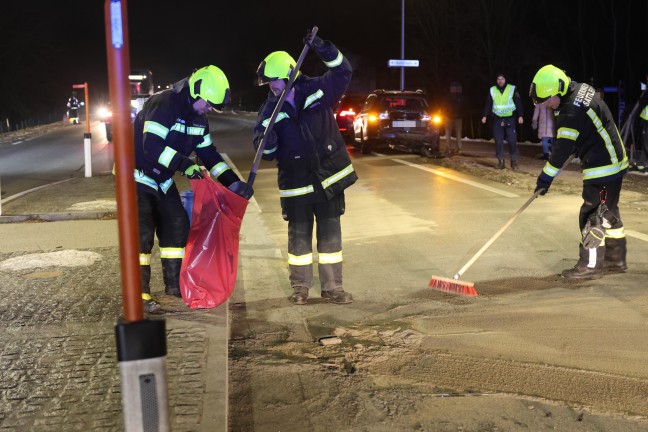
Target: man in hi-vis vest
[{"x": 504, "y": 104}]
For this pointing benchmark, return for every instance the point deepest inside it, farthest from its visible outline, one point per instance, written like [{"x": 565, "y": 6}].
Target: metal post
[
  {"x": 87, "y": 136},
  {"x": 141, "y": 343},
  {"x": 402, "y": 75}
]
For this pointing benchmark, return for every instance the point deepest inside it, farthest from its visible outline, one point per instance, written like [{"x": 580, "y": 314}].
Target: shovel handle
[{"x": 277, "y": 109}]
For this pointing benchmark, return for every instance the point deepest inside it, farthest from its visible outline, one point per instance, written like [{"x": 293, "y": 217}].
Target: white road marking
[
  {"x": 453, "y": 177},
  {"x": 636, "y": 234}
]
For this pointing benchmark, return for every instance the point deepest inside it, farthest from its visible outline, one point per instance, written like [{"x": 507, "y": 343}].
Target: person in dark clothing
[
  {"x": 454, "y": 120},
  {"x": 73, "y": 108},
  {"x": 504, "y": 104},
  {"x": 171, "y": 125},
  {"x": 314, "y": 167},
  {"x": 643, "y": 121},
  {"x": 586, "y": 128}
]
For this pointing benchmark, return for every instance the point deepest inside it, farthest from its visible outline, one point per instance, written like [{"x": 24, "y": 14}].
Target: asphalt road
[{"x": 27, "y": 163}]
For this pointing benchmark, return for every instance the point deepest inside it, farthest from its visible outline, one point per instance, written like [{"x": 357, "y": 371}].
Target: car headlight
[{"x": 104, "y": 112}]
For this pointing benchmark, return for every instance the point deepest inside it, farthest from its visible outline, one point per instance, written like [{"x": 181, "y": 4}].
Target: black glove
[
  {"x": 593, "y": 235},
  {"x": 316, "y": 43},
  {"x": 271, "y": 139},
  {"x": 190, "y": 169},
  {"x": 542, "y": 186},
  {"x": 241, "y": 188}
]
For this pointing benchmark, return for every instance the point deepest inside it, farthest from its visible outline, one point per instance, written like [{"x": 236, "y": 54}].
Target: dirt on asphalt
[{"x": 435, "y": 363}]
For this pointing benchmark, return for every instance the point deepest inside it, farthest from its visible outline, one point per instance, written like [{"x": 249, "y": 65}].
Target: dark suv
[{"x": 399, "y": 120}]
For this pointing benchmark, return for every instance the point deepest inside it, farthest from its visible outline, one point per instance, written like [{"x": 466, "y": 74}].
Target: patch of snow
[
  {"x": 98, "y": 205},
  {"x": 67, "y": 258}
]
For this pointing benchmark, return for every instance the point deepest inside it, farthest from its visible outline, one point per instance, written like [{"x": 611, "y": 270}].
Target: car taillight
[
  {"x": 348, "y": 112},
  {"x": 425, "y": 117}
]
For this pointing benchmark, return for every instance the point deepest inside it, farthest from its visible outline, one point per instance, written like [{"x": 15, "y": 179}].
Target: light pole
[{"x": 402, "y": 75}]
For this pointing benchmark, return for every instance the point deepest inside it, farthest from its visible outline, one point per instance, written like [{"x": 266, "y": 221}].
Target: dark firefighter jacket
[
  {"x": 312, "y": 160},
  {"x": 167, "y": 131},
  {"x": 585, "y": 127}
]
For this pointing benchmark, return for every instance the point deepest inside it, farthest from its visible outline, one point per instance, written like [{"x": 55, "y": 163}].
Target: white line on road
[
  {"x": 454, "y": 177},
  {"x": 636, "y": 234}
]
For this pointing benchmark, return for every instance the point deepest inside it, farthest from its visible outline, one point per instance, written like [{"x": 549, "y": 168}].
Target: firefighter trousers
[
  {"x": 301, "y": 220},
  {"x": 162, "y": 214},
  {"x": 613, "y": 248}
]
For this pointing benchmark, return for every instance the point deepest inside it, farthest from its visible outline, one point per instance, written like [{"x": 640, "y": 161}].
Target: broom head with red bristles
[{"x": 453, "y": 286}]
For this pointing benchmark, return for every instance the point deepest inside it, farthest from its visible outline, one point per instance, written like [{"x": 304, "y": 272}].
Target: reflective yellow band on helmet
[
  {"x": 604, "y": 171},
  {"x": 605, "y": 136},
  {"x": 171, "y": 253},
  {"x": 330, "y": 258},
  {"x": 567, "y": 133},
  {"x": 145, "y": 259},
  {"x": 146, "y": 296},
  {"x": 206, "y": 142},
  {"x": 155, "y": 128},
  {"x": 550, "y": 170},
  {"x": 615, "y": 233},
  {"x": 300, "y": 260},
  {"x": 282, "y": 115},
  {"x": 336, "y": 62},
  {"x": 166, "y": 156},
  {"x": 269, "y": 151},
  {"x": 219, "y": 169},
  {"x": 312, "y": 98}
]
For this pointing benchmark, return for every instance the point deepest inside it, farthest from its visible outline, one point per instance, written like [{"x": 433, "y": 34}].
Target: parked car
[
  {"x": 345, "y": 113},
  {"x": 399, "y": 120}
]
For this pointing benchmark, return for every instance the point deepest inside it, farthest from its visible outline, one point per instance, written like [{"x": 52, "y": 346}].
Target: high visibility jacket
[
  {"x": 503, "y": 105},
  {"x": 312, "y": 159},
  {"x": 167, "y": 131},
  {"x": 643, "y": 105},
  {"x": 586, "y": 128}
]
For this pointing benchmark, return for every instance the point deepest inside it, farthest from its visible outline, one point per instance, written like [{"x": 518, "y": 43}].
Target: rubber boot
[
  {"x": 589, "y": 265},
  {"x": 171, "y": 275},
  {"x": 500, "y": 164},
  {"x": 338, "y": 296},
  {"x": 300, "y": 296},
  {"x": 615, "y": 255},
  {"x": 514, "y": 165}
]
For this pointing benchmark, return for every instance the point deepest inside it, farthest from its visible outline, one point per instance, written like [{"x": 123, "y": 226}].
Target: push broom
[{"x": 456, "y": 286}]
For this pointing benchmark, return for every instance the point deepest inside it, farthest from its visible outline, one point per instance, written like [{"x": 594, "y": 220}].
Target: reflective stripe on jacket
[
  {"x": 312, "y": 160},
  {"x": 586, "y": 128}
]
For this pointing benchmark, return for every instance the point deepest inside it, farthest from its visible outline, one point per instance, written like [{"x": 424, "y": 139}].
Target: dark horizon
[{"x": 46, "y": 48}]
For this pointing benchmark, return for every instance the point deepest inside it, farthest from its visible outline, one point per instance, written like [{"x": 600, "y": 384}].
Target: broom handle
[
  {"x": 277, "y": 109},
  {"x": 506, "y": 225}
]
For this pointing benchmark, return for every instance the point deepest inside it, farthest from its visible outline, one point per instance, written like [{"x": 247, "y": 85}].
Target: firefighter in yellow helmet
[
  {"x": 170, "y": 127},
  {"x": 585, "y": 127},
  {"x": 314, "y": 167}
]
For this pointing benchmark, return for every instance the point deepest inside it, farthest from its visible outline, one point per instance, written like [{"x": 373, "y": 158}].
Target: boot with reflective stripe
[{"x": 589, "y": 265}]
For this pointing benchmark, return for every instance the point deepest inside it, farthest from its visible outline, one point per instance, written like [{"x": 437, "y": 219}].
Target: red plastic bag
[{"x": 208, "y": 272}]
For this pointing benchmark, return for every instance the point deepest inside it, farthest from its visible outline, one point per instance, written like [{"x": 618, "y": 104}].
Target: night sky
[{"x": 46, "y": 46}]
